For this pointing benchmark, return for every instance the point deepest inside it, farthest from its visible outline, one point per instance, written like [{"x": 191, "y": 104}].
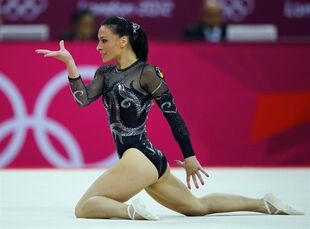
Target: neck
[{"x": 126, "y": 60}]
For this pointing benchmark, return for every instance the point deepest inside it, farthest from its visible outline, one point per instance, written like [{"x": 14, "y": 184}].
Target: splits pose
[{"x": 128, "y": 90}]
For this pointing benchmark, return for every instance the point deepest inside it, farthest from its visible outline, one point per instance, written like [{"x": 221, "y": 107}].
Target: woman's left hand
[{"x": 193, "y": 170}]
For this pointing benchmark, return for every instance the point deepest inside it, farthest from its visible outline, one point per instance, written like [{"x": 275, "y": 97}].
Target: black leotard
[{"x": 127, "y": 96}]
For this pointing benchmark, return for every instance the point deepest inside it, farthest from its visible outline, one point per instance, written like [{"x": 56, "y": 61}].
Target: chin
[{"x": 105, "y": 59}]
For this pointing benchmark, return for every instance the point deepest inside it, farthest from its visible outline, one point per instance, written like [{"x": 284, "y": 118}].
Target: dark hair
[{"x": 135, "y": 33}]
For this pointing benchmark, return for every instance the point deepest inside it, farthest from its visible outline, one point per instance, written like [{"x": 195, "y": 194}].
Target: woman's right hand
[{"x": 62, "y": 54}]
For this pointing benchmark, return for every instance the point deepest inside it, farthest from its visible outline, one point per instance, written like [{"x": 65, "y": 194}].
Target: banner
[
  {"x": 162, "y": 19},
  {"x": 244, "y": 105}
]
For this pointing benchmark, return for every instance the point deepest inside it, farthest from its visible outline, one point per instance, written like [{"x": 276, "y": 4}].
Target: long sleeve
[
  {"x": 84, "y": 95},
  {"x": 152, "y": 81}
]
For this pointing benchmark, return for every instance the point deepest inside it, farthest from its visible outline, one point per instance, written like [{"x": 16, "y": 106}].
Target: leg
[
  {"x": 229, "y": 203},
  {"x": 104, "y": 199},
  {"x": 172, "y": 193},
  {"x": 218, "y": 203}
]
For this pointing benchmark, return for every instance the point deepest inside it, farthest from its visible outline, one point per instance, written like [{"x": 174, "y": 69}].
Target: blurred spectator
[
  {"x": 83, "y": 26},
  {"x": 210, "y": 26},
  {"x": 1, "y": 18}
]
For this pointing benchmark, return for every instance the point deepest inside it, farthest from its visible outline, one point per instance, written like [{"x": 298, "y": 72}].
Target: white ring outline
[
  {"x": 28, "y": 10},
  {"x": 236, "y": 10},
  {"x": 41, "y": 124}
]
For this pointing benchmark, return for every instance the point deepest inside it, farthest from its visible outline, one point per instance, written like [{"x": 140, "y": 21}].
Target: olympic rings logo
[
  {"x": 42, "y": 125},
  {"x": 27, "y": 10},
  {"x": 237, "y": 10}
]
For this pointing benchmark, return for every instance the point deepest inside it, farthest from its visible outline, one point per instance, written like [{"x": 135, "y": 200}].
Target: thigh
[
  {"x": 173, "y": 194},
  {"x": 130, "y": 175}
]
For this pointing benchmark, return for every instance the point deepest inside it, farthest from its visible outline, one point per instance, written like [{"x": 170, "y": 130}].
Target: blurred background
[
  {"x": 238, "y": 69},
  {"x": 278, "y": 20}
]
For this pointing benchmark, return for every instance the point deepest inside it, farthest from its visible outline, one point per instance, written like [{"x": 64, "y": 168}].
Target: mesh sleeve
[
  {"x": 152, "y": 81},
  {"x": 84, "y": 95}
]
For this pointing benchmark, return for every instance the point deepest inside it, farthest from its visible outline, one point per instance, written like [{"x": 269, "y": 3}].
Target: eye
[{"x": 103, "y": 40}]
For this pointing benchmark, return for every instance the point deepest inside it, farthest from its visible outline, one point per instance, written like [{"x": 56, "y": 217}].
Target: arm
[
  {"x": 152, "y": 81},
  {"x": 82, "y": 94},
  {"x": 179, "y": 130}
]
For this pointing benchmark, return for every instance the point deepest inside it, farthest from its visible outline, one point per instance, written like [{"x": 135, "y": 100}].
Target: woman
[{"x": 128, "y": 89}]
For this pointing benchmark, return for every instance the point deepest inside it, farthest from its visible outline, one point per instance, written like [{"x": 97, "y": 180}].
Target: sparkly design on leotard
[
  {"x": 167, "y": 105},
  {"x": 78, "y": 92},
  {"x": 128, "y": 96},
  {"x": 129, "y": 100}
]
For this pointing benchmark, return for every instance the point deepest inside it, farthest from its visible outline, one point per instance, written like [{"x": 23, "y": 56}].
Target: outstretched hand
[
  {"x": 193, "y": 170},
  {"x": 62, "y": 54}
]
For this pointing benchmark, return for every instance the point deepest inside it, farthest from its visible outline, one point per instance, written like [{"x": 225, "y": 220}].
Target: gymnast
[{"x": 128, "y": 90}]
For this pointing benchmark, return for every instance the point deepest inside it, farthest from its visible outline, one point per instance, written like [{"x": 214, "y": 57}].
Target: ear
[{"x": 124, "y": 41}]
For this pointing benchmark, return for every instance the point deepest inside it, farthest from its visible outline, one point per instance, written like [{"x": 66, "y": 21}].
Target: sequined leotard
[{"x": 127, "y": 96}]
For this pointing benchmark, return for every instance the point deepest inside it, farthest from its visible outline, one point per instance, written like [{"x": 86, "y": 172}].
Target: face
[
  {"x": 85, "y": 27},
  {"x": 110, "y": 45},
  {"x": 211, "y": 15},
  {"x": 1, "y": 19}
]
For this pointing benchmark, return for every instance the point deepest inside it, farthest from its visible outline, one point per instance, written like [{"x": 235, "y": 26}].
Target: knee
[
  {"x": 197, "y": 209},
  {"x": 195, "y": 212},
  {"x": 83, "y": 208},
  {"x": 78, "y": 211}
]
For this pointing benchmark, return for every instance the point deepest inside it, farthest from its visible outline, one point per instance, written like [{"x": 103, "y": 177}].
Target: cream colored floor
[{"x": 40, "y": 199}]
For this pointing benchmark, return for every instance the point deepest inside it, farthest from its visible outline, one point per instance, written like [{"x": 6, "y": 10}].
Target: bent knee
[
  {"x": 82, "y": 209},
  {"x": 78, "y": 211},
  {"x": 197, "y": 210},
  {"x": 195, "y": 213}
]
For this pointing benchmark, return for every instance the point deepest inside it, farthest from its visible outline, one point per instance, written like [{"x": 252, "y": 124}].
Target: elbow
[
  {"x": 80, "y": 98},
  {"x": 82, "y": 103}
]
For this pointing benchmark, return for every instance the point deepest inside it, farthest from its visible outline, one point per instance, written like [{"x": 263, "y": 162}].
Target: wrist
[
  {"x": 69, "y": 62},
  {"x": 72, "y": 69},
  {"x": 190, "y": 158},
  {"x": 74, "y": 77}
]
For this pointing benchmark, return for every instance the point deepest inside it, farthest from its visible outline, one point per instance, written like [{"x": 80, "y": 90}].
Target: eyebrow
[{"x": 102, "y": 37}]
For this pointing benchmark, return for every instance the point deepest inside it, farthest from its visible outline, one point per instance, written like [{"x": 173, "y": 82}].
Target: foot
[
  {"x": 275, "y": 206},
  {"x": 136, "y": 211}
]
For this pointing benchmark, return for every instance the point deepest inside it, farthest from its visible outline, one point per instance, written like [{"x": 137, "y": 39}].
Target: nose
[{"x": 98, "y": 48}]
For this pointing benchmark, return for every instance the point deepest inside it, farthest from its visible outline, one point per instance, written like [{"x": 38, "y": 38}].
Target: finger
[
  {"x": 62, "y": 45},
  {"x": 195, "y": 180},
  {"x": 43, "y": 51},
  {"x": 51, "y": 54},
  {"x": 188, "y": 181},
  {"x": 204, "y": 172},
  {"x": 180, "y": 163},
  {"x": 200, "y": 177}
]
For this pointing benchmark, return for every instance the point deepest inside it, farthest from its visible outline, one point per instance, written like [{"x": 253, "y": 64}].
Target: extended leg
[
  {"x": 172, "y": 193},
  {"x": 216, "y": 203}
]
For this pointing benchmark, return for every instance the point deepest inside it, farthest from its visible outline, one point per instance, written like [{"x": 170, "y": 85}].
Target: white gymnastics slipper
[
  {"x": 139, "y": 208},
  {"x": 281, "y": 207}
]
